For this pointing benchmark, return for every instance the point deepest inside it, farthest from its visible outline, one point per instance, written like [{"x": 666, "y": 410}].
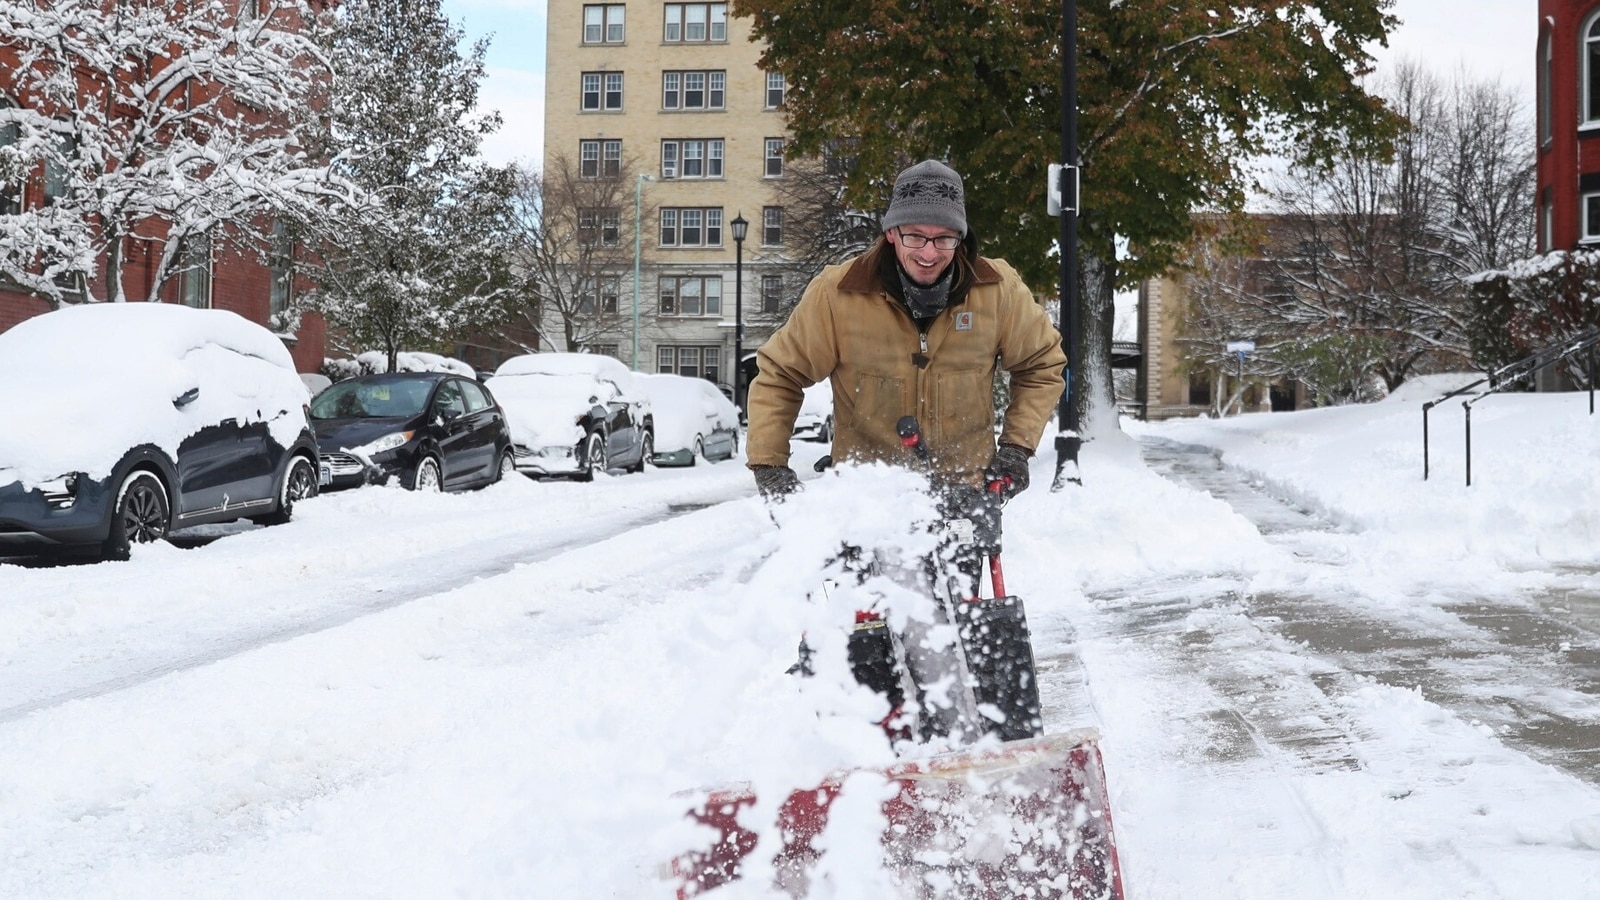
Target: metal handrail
[{"x": 1507, "y": 376}]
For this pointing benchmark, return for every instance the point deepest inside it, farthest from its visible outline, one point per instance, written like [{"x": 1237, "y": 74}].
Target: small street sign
[{"x": 1241, "y": 346}]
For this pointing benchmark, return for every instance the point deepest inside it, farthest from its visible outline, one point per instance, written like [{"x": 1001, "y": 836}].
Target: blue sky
[
  {"x": 515, "y": 82},
  {"x": 1489, "y": 38}
]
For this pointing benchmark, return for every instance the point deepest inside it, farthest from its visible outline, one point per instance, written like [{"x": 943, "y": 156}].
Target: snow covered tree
[
  {"x": 573, "y": 233},
  {"x": 429, "y": 257},
  {"x": 1174, "y": 100},
  {"x": 154, "y": 125}
]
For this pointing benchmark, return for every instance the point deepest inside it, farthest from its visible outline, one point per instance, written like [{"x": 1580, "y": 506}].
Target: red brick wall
[{"x": 1569, "y": 153}]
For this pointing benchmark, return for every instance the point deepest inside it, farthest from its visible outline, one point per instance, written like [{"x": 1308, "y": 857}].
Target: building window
[
  {"x": 695, "y": 22},
  {"x": 696, "y": 158},
  {"x": 602, "y": 23},
  {"x": 280, "y": 268},
  {"x": 1590, "y": 205},
  {"x": 1591, "y": 72},
  {"x": 691, "y": 362},
  {"x": 57, "y": 168},
  {"x": 772, "y": 226},
  {"x": 774, "y": 158},
  {"x": 691, "y": 226},
  {"x": 691, "y": 295},
  {"x": 775, "y": 89},
  {"x": 10, "y": 191},
  {"x": 600, "y": 293},
  {"x": 611, "y": 350},
  {"x": 1199, "y": 389},
  {"x": 1547, "y": 221},
  {"x": 694, "y": 90},
  {"x": 194, "y": 278},
  {"x": 771, "y": 293},
  {"x": 599, "y": 159},
  {"x": 602, "y": 91},
  {"x": 602, "y": 226}
]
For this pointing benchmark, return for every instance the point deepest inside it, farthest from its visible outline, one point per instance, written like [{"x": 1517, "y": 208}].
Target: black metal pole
[
  {"x": 1468, "y": 408},
  {"x": 1068, "y": 437},
  {"x": 1425, "y": 408},
  {"x": 738, "y": 319}
]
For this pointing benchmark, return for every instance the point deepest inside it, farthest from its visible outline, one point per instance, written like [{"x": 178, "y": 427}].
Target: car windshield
[{"x": 386, "y": 399}]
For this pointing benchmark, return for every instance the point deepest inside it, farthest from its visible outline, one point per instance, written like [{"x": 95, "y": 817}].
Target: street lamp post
[
  {"x": 638, "y": 195},
  {"x": 738, "y": 225},
  {"x": 1069, "y": 437}
]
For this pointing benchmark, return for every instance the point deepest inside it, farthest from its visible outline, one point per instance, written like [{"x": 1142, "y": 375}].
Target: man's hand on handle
[{"x": 1008, "y": 466}]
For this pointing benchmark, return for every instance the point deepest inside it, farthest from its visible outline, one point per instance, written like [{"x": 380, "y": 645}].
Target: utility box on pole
[{"x": 1062, "y": 191}]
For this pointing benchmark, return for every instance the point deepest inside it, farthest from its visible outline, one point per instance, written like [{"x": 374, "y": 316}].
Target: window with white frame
[
  {"x": 688, "y": 226},
  {"x": 774, "y": 158},
  {"x": 695, "y": 22},
  {"x": 602, "y": 23},
  {"x": 690, "y": 295},
  {"x": 602, "y": 91},
  {"x": 194, "y": 276},
  {"x": 691, "y": 158},
  {"x": 1590, "y": 85},
  {"x": 612, "y": 350},
  {"x": 10, "y": 191},
  {"x": 776, "y": 87},
  {"x": 1547, "y": 221},
  {"x": 599, "y": 293},
  {"x": 280, "y": 268},
  {"x": 1590, "y": 204},
  {"x": 690, "y": 361},
  {"x": 57, "y": 167},
  {"x": 772, "y": 226},
  {"x": 705, "y": 89},
  {"x": 599, "y": 159},
  {"x": 771, "y": 293},
  {"x": 599, "y": 226}
]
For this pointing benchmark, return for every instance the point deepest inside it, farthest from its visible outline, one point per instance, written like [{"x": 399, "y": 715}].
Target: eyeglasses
[{"x": 915, "y": 241}]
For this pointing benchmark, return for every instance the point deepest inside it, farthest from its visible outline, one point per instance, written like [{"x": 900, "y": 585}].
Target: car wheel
[
  {"x": 506, "y": 469},
  {"x": 594, "y": 457},
  {"x": 699, "y": 451},
  {"x": 427, "y": 477},
  {"x": 647, "y": 449},
  {"x": 142, "y": 514},
  {"x": 299, "y": 482}
]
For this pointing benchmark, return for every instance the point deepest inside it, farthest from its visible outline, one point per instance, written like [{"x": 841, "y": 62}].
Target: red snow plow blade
[{"x": 1026, "y": 819}]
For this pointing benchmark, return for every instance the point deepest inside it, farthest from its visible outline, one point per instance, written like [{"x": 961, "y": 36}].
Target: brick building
[
  {"x": 1568, "y": 60},
  {"x": 220, "y": 277}
]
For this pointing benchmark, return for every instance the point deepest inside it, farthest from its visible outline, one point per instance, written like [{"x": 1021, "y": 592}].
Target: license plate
[{"x": 324, "y": 475}]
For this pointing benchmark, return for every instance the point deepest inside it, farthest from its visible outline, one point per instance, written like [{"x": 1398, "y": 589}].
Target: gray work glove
[
  {"x": 1009, "y": 466},
  {"x": 775, "y": 482}
]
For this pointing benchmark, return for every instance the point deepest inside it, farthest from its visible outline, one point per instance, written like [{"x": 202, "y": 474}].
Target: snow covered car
[
  {"x": 428, "y": 430},
  {"x": 694, "y": 420},
  {"x": 815, "y": 421},
  {"x": 125, "y": 421},
  {"x": 574, "y": 414}
]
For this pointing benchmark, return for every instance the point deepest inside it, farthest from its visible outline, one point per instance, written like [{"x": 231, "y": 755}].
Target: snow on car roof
[
  {"x": 566, "y": 364},
  {"x": 84, "y": 384}
]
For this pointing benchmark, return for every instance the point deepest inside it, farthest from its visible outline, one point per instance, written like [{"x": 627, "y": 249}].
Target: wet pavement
[{"x": 1278, "y": 663}]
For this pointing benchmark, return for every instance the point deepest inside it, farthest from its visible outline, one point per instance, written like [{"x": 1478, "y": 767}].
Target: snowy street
[{"x": 1315, "y": 675}]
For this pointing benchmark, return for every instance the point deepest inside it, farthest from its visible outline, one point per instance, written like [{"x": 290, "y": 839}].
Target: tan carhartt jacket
[{"x": 848, "y": 329}]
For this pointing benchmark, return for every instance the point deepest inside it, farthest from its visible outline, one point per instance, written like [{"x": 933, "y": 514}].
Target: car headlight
[{"x": 384, "y": 444}]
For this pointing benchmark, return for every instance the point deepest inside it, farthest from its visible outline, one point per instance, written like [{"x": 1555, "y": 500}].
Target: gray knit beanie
[{"x": 928, "y": 193}]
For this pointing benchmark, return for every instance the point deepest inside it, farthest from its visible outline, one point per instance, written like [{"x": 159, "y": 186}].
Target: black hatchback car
[
  {"x": 125, "y": 421},
  {"x": 431, "y": 430}
]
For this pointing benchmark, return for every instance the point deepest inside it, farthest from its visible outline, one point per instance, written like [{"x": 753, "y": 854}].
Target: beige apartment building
[{"x": 670, "y": 97}]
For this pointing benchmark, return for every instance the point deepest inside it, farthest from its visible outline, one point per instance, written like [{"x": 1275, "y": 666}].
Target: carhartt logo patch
[{"x": 964, "y": 321}]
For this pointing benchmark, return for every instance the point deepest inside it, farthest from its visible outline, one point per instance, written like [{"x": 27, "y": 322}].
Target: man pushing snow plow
[{"x": 980, "y": 804}]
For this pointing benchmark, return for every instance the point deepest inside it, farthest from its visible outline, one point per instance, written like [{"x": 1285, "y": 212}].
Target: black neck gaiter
[{"x": 926, "y": 302}]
